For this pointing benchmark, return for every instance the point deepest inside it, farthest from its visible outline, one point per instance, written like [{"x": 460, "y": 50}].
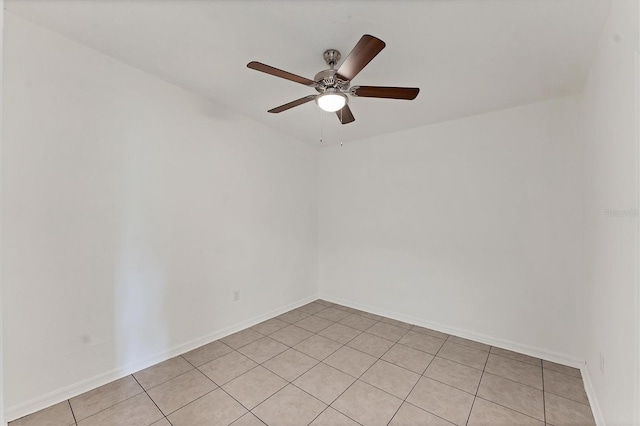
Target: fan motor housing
[{"x": 327, "y": 79}]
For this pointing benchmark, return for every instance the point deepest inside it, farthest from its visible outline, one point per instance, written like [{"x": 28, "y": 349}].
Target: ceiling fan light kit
[
  {"x": 333, "y": 86},
  {"x": 331, "y": 100}
]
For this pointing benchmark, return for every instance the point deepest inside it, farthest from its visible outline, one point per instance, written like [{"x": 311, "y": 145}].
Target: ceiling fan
[{"x": 333, "y": 85}]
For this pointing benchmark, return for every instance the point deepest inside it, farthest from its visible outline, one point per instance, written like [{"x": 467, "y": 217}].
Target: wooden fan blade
[
  {"x": 366, "y": 49},
  {"x": 258, "y": 66},
  {"x": 292, "y": 104},
  {"x": 408, "y": 93},
  {"x": 345, "y": 115}
]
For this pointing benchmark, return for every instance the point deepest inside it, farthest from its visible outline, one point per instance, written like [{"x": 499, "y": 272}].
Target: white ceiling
[{"x": 467, "y": 57}]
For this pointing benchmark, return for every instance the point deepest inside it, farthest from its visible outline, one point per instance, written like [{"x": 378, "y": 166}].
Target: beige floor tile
[
  {"x": 289, "y": 406},
  {"x": 324, "y": 382},
  {"x": 136, "y": 411},
  {"x": 368, "y": 315},
  {"x": 227, "y": 367},
  {"x": 340, "y": 333},
  {"x": 331, "y": 417},
  {"x": 548, "y": 365},
  {"x": 290, "y": 364},
  {"x": 423, "y": 342},
  {"x": 566, "y": 386},
  {"x": 430, "y": 332},
  {"x": 409, "y": 358},
  {"x": 241, "y": 338},
  {"x": 517, "y": 356},
  {"x": 522, "y": 398},
  {"x": 397, "y": 323},
  {"x": 89, "y": 403},
  {"x": 564, "y": 412},
  {"x": 333, "y": 314},
  {"x": 463, "y": 354},
  {"x": 207, "y": 353},
  {"x": 391, "y": 378},
  {"x": 358, "y": 322},
  {"x": 454, "y": 374},
  {"x": 387, "y": 331},
  {"x": 470, "y": 343},
  {"x": 263, "y": 349},
  {"x": 312, "y": 308},
  {"x": 318, "y": 347},
  {"x": 248, "y": 420},
  {"x": 344, "y": 308},
  {"x": 485, "y": 413},
  {"x": 255, "y": 386},
  {"x": 270, "y": 326},
  {"x": 292, "y": 316},
  {"x": 515, "y": 370},
  {"x": 370, "y": 344},
  {"x": 178, "y": 392},
  {"x": 442, "y": 400},
  {"x": 215, "y": 408},
  {"x": 314, "y": 324},
  {"x": 410, "y": 415},
  {"x": 291, "y": 335},
  {"x": 56, "y": 415},
  {"x": 313, "y": 356},
  {"x": 160, "y": 373},
  {"x": 350, "y": 361},
  {"x": 367, "y": 405}
]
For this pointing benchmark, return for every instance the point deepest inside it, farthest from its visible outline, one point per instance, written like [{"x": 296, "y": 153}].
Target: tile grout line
[
  {"x": 484, "y": 367},
  {"x": 319, "y": 362},
  {"x": 544, "y": 398},
  {"x": 412, "y": 388},
  {"x": 514, "y": 381},
  {"x": 289, "y": 347},
  {"x": 106, "y": 408},
  {"x": 434, "y": 356},
  {"x": 72, "y": 413},
  {"x": 349, "y": 313},
  {"x": 179, "y": 375},
  {"x": 342, "y": 346},
  {"x": 358, "y": 378},
  {"x": 322, "y": 362},
  {"x": 379, "y": 358},
  {"x": 509, "y": 408},
  {"x": 478, "y": 387},
  {"x": 207, "y": 393},
  {"x": 149, "y": 396}
]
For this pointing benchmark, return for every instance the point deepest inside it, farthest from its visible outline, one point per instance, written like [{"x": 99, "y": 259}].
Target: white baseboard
[
  {"x": 67, "y": 392},
  {"x": 489, "y": 340},
  {"x": 591, "y": 394},
  {"x": 478, "y": 337}
]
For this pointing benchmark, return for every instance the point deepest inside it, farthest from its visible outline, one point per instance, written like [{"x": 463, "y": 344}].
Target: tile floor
[{"x": 326, "y": 364}]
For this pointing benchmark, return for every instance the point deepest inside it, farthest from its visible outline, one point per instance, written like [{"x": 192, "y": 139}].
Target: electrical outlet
[
  {"x": 236, "y": 295},
  {"x": 601, "y": 364}
]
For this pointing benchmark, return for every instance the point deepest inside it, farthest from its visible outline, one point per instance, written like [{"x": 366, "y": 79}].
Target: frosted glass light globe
[{"x": 331, "y": 102}]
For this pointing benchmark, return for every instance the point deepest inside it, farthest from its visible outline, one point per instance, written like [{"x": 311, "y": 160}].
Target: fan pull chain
[
  {"x": 341, "y": 126},
  {"x": 321, "y": 117}
]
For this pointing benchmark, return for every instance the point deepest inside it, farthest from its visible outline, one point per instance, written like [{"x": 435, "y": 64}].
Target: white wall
[
  {"x": 611, "y": 183},
  {"x": 128, "y": 202},
  {"x": 2, "y": 420},
  {"x": 472, "y": 226},
  {"x": 131, "y": 210}
]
